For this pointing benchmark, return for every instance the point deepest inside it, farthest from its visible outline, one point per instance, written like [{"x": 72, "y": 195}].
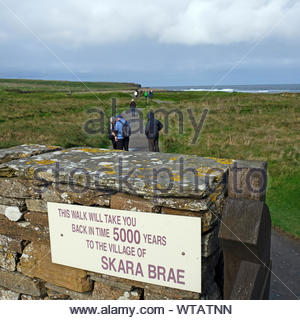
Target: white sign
[{"x": 148, "y": 247}]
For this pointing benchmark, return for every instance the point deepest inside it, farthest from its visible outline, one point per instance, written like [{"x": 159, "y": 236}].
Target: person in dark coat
[
  {"x": 150, "y": 94},
  {"x": 152, "y": 129},
  {"x": 132, "y": 107}
]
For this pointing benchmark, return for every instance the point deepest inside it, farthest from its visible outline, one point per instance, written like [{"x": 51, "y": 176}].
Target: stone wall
[{"x": 171, "y": 184}]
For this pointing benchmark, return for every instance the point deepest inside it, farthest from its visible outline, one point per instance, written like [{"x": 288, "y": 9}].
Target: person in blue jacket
[{"x": 122, "y": 129}]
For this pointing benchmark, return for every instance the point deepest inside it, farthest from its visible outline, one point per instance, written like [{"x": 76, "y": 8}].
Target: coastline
[{"x": 262, "y": 88}]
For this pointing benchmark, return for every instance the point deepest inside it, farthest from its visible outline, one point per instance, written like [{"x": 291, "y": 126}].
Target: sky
[{"x": 153, "y": 42}]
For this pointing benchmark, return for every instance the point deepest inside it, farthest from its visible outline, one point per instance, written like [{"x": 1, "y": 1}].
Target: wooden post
[{"x": 245, "y": 233}]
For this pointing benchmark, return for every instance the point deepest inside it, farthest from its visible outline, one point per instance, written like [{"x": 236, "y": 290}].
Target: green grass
[
  {"x": 27, "y": 86},
  {"x": 51, "y": 118},
  {"x": 284, "y": 204},
  {"x": 238, "y": 126}
]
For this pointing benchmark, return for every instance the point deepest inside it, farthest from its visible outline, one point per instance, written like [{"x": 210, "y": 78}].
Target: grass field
[
  {"x": 238, "y": 126},
  {"x": 28, "y": 86}
]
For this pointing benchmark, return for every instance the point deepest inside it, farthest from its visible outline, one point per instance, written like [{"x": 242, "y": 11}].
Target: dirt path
[{"x": 138, "y": 140}]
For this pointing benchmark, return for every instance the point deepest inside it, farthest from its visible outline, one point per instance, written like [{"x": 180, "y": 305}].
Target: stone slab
[
  {"x": 121, "y": 201},
  {"x": 23, "y": 230},
  {"x": 12, "y": 202},
  {"x": 6, "y": 294},
  {"x": 8, "y": 260},
  {"x": 68, "y": 194},
  {"x": 112, "y": 283},
  {"x": 124, "y": 284},
  {"x": 139, "y": 173},
  {"x": 208, "y": 219},
  {"x": 18, "y": 282},
  {"x": 53, "y": 295},
  {"x": 188, "y": 204},
  {"x": 104, "y": 291},
  {"x": 19, "y": 188},
  {"x": 37, "y": 218},
  {"x": 36, "y": 205},
  {"x": 29, "y": 297},
  {"x": 153, "y": 292},
  {"x": 213, "y": 293},
  {"x": 70, "y": 293},
  {"x": 8, "y": 243},
  {"x": 36, "y": 262},
  {"x": 24, "y": 151}
]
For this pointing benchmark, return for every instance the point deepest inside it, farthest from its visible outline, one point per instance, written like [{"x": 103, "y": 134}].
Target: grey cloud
[{"x": 188, "y": 22}]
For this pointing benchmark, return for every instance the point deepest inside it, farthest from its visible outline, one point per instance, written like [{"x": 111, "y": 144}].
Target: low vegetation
[{"x": 29, "y": 86}]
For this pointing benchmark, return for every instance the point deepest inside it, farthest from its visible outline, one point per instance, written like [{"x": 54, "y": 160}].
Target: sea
[{"x": 261, "y": 88}]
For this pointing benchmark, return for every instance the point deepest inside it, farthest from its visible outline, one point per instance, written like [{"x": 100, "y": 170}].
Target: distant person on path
[
  {"x": 123, "y": 132},
  {"x": 150, "y": 94},
  {"x": 136, "y": 93},
  {"x": 146, "y": 95},
  {"x": 152, "y": 129},
  {"x": 111, "y": 132},
  {"x": 132, "y": 107}
]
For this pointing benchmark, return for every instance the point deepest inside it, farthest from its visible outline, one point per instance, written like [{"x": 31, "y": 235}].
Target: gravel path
[
  {"x": 138, "y": 140},
  {"x": 286, "y": 266}
]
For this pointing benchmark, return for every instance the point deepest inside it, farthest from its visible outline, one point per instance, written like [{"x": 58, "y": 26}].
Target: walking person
[
  {"x": 152, "y": 129},
  {"x": 132, "y": 107},
  {"x": 126, "y": 132},
  {"x": 123, "y": 132},
  {"x": 146, "y": 95},
  {"x": 111, "y": 132},
  {"x": 150, "y": 94}
]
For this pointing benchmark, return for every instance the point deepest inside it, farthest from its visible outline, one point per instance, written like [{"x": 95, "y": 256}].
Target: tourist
[
  {"x": 152, "y": 129},
  {"x": 132, "y": 107},
  {"x": 150, "y": 94},
  {"x": 146, "y": 95},
  {"x": 111, "y": 132},
  {"x": 123, "y": 131}
]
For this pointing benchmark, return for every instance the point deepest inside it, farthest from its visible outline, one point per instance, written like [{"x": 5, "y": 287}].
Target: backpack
[{"x": 126, "y": 130}]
